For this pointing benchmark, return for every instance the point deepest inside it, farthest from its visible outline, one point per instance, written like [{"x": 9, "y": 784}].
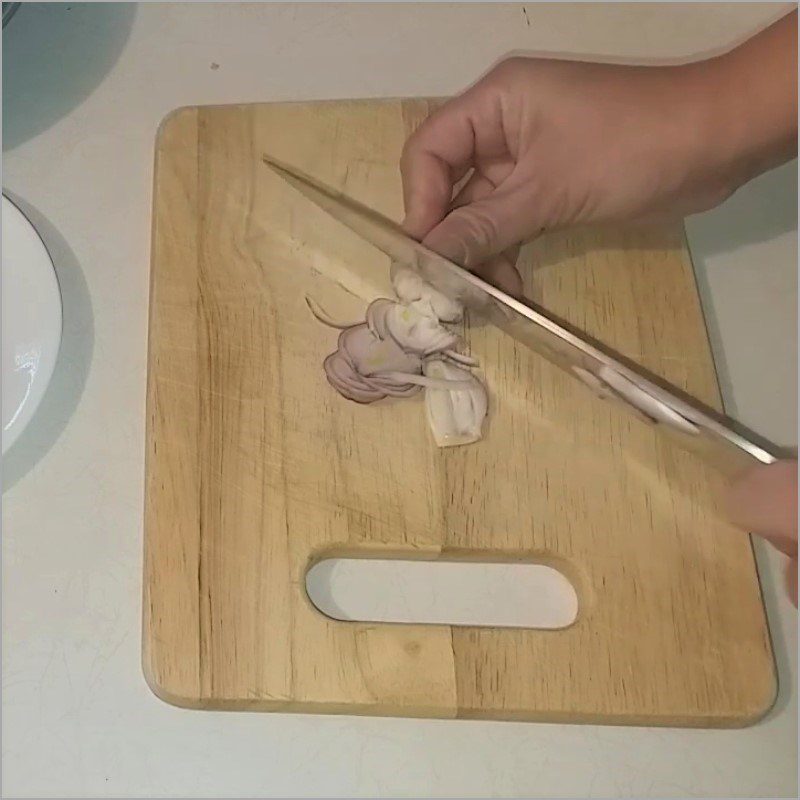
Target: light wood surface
[{"x": 257, "y": 469}]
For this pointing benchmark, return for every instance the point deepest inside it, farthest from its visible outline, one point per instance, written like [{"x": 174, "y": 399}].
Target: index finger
[{"x": 435, "y": 157}]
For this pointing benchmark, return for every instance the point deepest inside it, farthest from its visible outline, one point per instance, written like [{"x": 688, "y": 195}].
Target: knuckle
[
  {"x": 480, "y": 228},
  {"x": 413, "y": 150},
  {"x": 509, "y": 68},
  {"x": 408, "y": 151}
]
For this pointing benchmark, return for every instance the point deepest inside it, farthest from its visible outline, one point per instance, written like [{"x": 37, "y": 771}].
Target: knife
[{"x": 719, "y": 440}]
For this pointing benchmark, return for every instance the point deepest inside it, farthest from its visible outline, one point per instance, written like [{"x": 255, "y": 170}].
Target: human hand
[
  {"x": 764, "y": 502},
  {"x": 545, "y": 144}
]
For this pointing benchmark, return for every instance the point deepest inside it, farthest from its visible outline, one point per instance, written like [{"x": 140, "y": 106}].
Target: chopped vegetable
[
  {"x": 404, "y": 346},
  {"x": 455, "y": 416}
]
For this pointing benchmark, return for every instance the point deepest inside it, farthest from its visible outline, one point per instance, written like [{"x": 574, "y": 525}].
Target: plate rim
[{"x": 10, "y": 437}]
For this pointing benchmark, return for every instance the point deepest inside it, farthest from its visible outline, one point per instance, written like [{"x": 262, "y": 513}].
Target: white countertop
[{"x": 85, "y": 88}]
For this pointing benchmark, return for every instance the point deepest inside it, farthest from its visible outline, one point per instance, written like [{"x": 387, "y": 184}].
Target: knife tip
[{"x": 271, "y": 162}]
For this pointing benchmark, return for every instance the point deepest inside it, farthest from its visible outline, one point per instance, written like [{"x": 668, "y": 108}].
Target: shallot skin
[
  {"x": 373, "y": 357},
  {"x": 352, "y": 369}
]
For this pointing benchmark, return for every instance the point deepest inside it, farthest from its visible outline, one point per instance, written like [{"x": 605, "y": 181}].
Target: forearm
[
  {"x": 753, "y": 91},
  {"x": 561, "y": 143}
]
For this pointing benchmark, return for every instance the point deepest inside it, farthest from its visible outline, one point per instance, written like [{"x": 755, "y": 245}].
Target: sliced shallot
[
  {"x": 403, "y": 347},
  {"x": 455, "y": 414}
]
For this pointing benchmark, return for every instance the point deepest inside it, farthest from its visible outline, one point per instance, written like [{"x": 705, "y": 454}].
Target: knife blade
[{"x": 722, "y": 442}]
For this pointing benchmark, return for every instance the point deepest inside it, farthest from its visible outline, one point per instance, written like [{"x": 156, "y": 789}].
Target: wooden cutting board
[{"x": 257, "y": 469}]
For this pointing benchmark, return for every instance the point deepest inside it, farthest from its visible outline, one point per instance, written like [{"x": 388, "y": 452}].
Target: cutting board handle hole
[{"x": 497, "y": 595}]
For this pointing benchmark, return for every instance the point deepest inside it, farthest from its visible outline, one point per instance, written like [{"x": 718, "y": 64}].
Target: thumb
[
  {"x": 764, "y": 501},
  {"x": 472, "y": 234}
]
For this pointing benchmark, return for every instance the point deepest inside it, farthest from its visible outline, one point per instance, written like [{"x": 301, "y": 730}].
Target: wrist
[{"x": 746, "y": 107}]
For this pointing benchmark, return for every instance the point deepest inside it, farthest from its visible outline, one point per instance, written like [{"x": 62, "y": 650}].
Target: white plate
[{"x": 31, "y": 321}]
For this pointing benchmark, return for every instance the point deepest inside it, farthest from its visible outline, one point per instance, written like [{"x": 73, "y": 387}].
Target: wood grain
[{"x": 256, "y": 469}]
